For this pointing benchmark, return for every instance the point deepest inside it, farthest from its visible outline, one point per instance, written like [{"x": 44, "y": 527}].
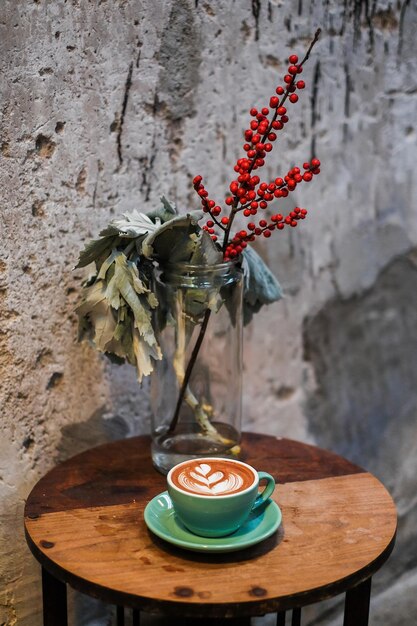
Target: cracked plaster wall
[{"x": 105, "y": 105}]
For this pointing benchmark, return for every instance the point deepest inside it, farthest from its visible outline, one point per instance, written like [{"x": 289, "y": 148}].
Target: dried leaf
[
  {"x": 172, "y": 235},
  {"x": 166, "y": 212},
  {"x": 94, "y": 249},
  {"x": 260, "y": 285},
  {"x": 205, "y": 251},
  {"x": 132, "y": 225}
]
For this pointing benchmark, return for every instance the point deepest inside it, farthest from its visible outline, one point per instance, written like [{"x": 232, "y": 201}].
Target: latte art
[{"x": 212, "y": 478}]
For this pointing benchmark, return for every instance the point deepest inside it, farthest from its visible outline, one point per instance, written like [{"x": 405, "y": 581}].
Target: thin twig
[{"x": 189, "y": 370}]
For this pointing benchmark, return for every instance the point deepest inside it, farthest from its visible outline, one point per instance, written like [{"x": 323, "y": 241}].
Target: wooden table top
[{"x": 84, "y": 524}]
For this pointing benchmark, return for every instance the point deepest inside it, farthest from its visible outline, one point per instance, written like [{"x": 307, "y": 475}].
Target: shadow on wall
[{"x": 363, "y": 351}]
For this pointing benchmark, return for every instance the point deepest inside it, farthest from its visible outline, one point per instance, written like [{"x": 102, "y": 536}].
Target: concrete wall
[{"x": 105, "y": 105}]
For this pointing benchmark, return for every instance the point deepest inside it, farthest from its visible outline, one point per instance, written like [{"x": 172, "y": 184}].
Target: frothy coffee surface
[{"x": 212, "y": 478}]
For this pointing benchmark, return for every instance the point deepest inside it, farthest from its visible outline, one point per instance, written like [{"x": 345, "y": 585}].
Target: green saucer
[{"x": 160, "y": 518}]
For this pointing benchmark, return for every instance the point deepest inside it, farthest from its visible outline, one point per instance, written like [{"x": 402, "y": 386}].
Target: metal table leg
[
  {"x": 296, "y": 617},
  {"x": 120, "y": 612},
  {"x": 135, "y": 618},
  {"x": 54, "y": 595},
  {"x": 357, "y": 604}
]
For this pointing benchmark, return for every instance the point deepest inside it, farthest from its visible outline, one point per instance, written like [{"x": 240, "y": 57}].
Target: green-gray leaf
[
  {"x": 132, "y": 225},
  {"x": 171, "y": 235},
  {"x": 166, "y": 212},
  {"x": 206, "y": 252},
  {"x": 94, "y": 249},
  {"x": 260, "y": 285}
]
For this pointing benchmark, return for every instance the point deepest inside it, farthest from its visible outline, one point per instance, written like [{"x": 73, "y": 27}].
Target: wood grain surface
[{"x": 84, "y": 524}]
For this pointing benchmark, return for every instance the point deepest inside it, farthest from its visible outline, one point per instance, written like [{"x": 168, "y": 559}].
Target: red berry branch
[{"x": 248, "y": 193}]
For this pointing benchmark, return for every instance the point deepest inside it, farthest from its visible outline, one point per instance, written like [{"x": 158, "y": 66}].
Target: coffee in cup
[{"x": 213, "y": 496}]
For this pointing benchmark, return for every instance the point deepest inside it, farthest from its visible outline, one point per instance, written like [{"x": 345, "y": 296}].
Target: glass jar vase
[{"x": 196, "y": 388}]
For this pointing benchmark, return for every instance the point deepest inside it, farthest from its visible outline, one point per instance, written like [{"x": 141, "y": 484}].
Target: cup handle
[{"x": 269, "y": 488}]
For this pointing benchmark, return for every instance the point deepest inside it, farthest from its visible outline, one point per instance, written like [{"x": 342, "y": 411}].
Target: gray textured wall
[{"x": 105, "y": 105}]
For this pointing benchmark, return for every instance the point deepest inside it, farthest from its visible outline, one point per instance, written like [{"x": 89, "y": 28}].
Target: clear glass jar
[{"x": 196, "y": 389}]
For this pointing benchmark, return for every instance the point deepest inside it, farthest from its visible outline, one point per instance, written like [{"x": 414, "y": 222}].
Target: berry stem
[
  {"x": 189, "y": 370},
  {"x": 265, "y": 135}
]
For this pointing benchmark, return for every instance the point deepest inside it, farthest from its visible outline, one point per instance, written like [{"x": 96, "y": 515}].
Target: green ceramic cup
[{"x": 222, "y": 513}]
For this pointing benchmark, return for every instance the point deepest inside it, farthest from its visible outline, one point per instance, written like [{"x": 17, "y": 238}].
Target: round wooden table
[{"x": 84, "y": 524}]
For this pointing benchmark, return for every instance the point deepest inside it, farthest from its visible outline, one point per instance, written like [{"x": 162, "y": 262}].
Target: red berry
[
  {"x": 279, "y": 182},
  {"x": 256, "y": 138},
  {"x": 300, "y": 84},
  {"x": 307, "y": 176},
  {"x": 267, "y": 233},
  {"x": 211, "y": 231},
  {"x": 303, "y": 211},
  {"x": 293, "y": 223},
  {"x": 299, "y": 69},
  {"x": 277, "y": 125},
  {"x": 287, "y": 78},
  {"x": 253, "y": 112},
  {"x": 210, "y": 223},
  {"x": 280, "y": 225},
  {"x": 284, "y": 119},
  {"x": 225, "y": 220},
  {"x": 253, "y": 205},
  {"x": 263, "y": 204},
  {"x": 281, "y": 110},
  {"x": 273, "y": 102},
  {"x": 315, "y": 163},
  {"x": 263, "y": 186},
  {"x": 258, "y": 231},
  {"x": 216, "y": 211},
  {"x": 197, "y": 180},
  {"x": 279, "y": 90},
  {"x": 234, "y": 187},
  {"x": 268, "y": 147},
  {"x": 306, "y": 165},
  {"x": 265, "y": 111},
  {"x": 293, "y": 98},
  {"x": 293, "y": 69},
  {"x": 272, "y": 136},
  {"x": 263, "y": 223},
  {"x": 254, "y": 124},
  {"x": 211, "y": 203},
  {"x": 246, "y": 212},
  {"x": 293, "y": 59},
  {"x": 251, "y": 226}
]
